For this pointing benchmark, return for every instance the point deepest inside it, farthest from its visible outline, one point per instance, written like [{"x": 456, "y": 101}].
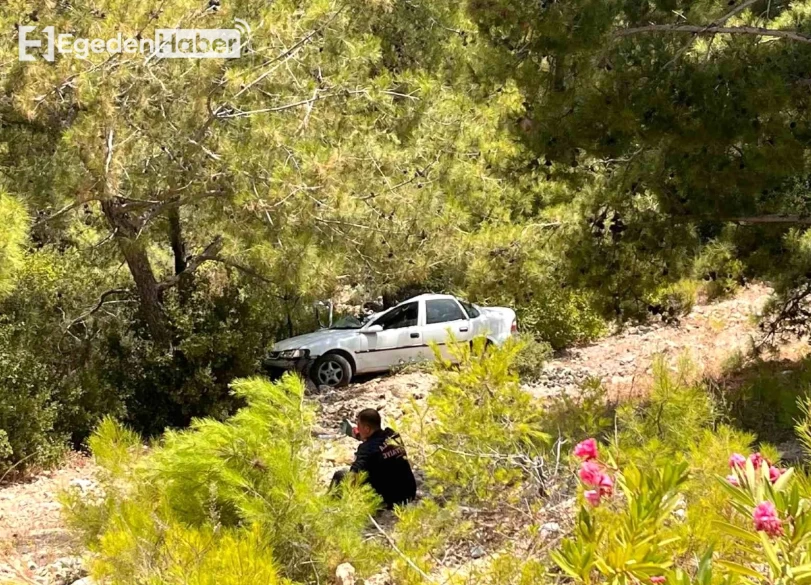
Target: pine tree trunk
[
  {"x": 176, "y": 239},
  {"x": 179, "y": 251},
  {"x": 140, "y": 268}
]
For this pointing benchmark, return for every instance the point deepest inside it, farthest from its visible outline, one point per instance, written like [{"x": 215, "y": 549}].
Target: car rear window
[{"x": 442, "y": 311}]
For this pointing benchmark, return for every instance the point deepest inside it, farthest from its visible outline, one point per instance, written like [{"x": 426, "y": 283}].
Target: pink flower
[
  {"x": 606, "y": 485},
  {"x": 775, "y": 473},
  {"x": 737, "y": 460},
  {"x": 657, "y": 579},
  {"x": 592, "y": 497},
  {"x": 766, "y": 520},
  {"x": 586, "y": 450},
  {"x": 733, "y": 480},
  {"x": 590, "y": 473},
  {"x": 757, "y": 459}
]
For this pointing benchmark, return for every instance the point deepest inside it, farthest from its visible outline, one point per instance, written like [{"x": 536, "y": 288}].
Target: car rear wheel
[{"x": 331, "y": 370}]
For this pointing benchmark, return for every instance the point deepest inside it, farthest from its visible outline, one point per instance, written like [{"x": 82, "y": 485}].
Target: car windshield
[{"x": 347, "y": 322}]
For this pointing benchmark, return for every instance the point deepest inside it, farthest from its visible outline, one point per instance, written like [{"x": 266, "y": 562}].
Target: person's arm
[{"x": 361, "y": 462}]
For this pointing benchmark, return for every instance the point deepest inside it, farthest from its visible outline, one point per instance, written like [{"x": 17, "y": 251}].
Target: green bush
[
  {"x": 718, "y": 266},
  {"x": 670, "y": 418},
  {"x": 220, "y": 335},
  {"x": 50, "y": 393},
  {"x": 761, "y": 526},
  {"x": 531, "y": 357},
  {"x": 245, "y": 490},
  {"x": 560, "y": 317},
  {"x": 674, "y": 300},
  {"x": 586, "y": 413},
  {"x": 423, "y": 532},
  {"x": 763, "y": 397},
  {"x": 487, "y": 431},
  {"x": 27, "y": 410}
]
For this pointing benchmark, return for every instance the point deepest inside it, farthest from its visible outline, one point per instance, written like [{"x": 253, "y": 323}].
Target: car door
[
  {"x": 478, "y": 322},
  {"x": 398, "y": 342},
  {"x": 444, "y": 317}
]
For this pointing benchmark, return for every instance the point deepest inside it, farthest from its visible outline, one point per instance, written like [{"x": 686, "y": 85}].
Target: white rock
[
  {"x": 345, "y": 574},
  {"x": 549, "y": 529}
]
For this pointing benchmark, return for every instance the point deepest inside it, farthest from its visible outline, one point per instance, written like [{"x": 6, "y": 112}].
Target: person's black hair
[{"x": 370, "y": 417}]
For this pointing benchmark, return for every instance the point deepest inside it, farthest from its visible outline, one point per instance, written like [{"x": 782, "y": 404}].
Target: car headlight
[{"x": 292, "y": 354}]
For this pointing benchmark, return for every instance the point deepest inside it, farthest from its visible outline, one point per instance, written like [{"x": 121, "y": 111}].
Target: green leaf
[
  {"x": 739, "y": 569},
  {"x": 771, "y": 553},
  {"x": 782, "y": 482},
  {"x": 735, "y": 531}
]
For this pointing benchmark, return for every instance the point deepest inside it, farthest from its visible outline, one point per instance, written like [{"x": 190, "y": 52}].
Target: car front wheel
[{"x": 331, "y": 370}]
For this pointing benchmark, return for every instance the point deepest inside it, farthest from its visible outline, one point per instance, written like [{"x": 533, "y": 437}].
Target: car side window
[
  {"x": 402, "y": 316},
  {"x": 472, "y": 311},
  {"x": 442, "y": 311}
]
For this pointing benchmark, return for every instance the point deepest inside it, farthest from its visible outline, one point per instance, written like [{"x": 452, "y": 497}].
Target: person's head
[{"x": 368, "y": 423}]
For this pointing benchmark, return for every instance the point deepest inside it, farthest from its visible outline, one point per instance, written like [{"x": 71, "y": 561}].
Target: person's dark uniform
[{"x": 383, "y": 457}]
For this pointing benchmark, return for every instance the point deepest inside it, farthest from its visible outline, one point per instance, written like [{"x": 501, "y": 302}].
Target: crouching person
[{"x": 382, "y": 457}]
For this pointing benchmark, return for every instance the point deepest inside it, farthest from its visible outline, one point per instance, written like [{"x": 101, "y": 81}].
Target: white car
[{"x": 400, "y": 335}]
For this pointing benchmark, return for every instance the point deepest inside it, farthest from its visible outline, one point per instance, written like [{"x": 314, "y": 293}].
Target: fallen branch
[{"x": 405, "y": 557}]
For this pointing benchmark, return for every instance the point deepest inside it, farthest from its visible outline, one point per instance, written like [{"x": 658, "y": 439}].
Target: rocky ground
[
  {"x": 35, "y": 546},
  {"x": 708, "y": 336}
]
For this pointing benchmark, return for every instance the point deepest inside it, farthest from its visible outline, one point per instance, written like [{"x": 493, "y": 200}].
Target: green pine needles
[{"x": 223, "y": 502}]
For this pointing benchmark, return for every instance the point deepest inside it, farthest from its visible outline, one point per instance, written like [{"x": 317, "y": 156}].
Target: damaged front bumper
[{"x": 300, "y": 363}]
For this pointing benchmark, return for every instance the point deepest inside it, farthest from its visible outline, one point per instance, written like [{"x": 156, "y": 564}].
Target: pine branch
[
  {"x": 210, "y": 253},
  {"x": 63, "y": 211},
  {"x": 755, "y": 220},
  {"x": 713, "y": 30},
  {"x": 242, "y": 268},
  {"x": 717, "y": 22},
  {"x": 101, "y": 302}
]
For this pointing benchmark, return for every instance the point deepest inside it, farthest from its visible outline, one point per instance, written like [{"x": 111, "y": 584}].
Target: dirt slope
[
  {"x": 707, "y": 336},
  {"x": 36, "y": 548}
]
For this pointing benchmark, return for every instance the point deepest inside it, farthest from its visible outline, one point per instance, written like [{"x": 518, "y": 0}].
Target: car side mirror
[{"x": 373, "y": 329}]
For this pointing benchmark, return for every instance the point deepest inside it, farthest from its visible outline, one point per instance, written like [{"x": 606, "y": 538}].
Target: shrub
[
  {"x": 560, "y": 317},
  {"x": 27, "y": 410},
  {"x": 245, "y": 489},
  {"x": 14, "y": 220},
  {"x": 487, "y": 430},
  {"x": 531, "y": 357},
  {"x": 422, "y": 532},
  {"x": 47, "y": 397},
  {"x": 625, "y": 542},
  {"x": 219, "y": 337},
  {"x": 674, "y": 300},
  {"x": 587, "y": 413},
  {"x": 719, "y": 267},
  {"x": 672, "y": 416},
  {"x": 763, "y": 397},
  {"x": 763, "y": 526}
]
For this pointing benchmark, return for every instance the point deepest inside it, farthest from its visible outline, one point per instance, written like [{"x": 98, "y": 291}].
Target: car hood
[{"x": 308, "y": 340}]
